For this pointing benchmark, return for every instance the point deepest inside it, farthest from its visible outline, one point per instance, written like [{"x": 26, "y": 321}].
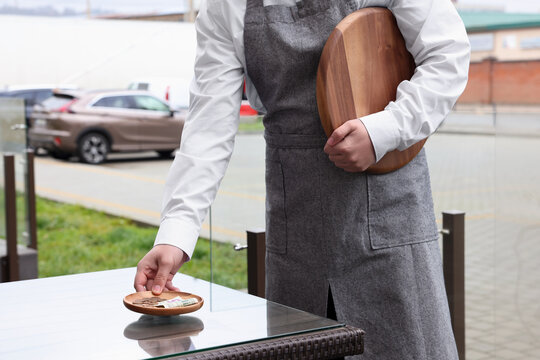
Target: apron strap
[{"x": 294, "y": 141}]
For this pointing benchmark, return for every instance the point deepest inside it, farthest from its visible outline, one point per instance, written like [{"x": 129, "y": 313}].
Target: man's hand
[
  {"x": 157, "y": 268},
  {"x": 350, "y": 148}
]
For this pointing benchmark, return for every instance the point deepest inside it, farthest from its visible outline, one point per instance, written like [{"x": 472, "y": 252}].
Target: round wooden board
[
  {"x": 128, "y": 302},
  {"x": 361, "y": 66}
]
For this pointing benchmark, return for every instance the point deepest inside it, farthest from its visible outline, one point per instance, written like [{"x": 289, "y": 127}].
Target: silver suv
[{"x": 92, "y": 124}]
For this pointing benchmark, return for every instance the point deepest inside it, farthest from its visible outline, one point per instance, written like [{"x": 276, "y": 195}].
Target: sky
[
  {"x": 138, "y": 6},
  {"x": 126, "y": 6}
]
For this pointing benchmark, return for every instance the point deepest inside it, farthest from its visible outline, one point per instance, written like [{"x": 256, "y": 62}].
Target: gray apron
[{"x": 370, "y": 239}]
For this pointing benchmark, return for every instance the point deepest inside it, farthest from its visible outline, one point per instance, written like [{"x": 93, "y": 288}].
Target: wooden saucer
[{"x": 131, "y": 298}]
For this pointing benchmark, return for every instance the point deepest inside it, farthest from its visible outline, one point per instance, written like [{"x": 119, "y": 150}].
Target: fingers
[
  {"x": 169, "y": 286},
  {"x": 140, "y": 281},
  {"x": 156, "y": 269},
  {"x": 340, "y": 160},
  {"x": 338, "y": 135},
  {"x": 162, "y": 277},
  {"x": 350, "y": 148},
  {"x": 150, "y": 284}
]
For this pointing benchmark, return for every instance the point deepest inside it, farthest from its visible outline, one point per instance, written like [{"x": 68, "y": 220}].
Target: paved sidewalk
[{"x": 496, "y": 180}]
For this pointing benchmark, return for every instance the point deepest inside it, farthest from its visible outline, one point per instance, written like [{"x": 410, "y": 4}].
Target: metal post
[
  {"x": 11, "y": 217},
  {"x": 256, "y": 262},
  {"x": 454, "y": 273},
  {"x": 31, "y": 199}
]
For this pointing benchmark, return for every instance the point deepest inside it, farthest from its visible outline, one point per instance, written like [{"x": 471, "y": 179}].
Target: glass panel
[
  {"x": 239, "y": 206},
  {"x": 462, "y": 163},
  {"x": 12, "y": 125},
  {"x": 516, "y": 250},
  {"x": 13, "y": 141},
  {"x": 485, "y": 163}
]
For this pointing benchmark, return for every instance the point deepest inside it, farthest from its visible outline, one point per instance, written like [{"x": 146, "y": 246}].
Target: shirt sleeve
[
  {"x": 435, "y": 35},
  {"x": 208, "y": 135}
]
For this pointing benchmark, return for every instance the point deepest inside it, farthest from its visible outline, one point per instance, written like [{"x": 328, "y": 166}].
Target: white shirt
[{"x": 434, "y": 35}]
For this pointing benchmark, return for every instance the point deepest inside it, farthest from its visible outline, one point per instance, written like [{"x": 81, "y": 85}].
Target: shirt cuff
[
  {"x": 178, "y": 233},
  {"x": 382, "y": 129}
]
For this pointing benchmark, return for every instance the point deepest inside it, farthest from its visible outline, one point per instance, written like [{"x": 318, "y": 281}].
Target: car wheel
[
  {"x": 60, "y": 155},
  {"x": 165, "y": 153},
  {"x": 93, "y": 148}
]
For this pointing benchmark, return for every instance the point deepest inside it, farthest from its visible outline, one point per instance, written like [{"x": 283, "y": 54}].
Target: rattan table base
[{"x": 325, "y": 344}]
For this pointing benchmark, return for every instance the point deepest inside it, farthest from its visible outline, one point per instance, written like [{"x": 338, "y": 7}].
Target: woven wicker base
[{"x": 326, "y": 344}]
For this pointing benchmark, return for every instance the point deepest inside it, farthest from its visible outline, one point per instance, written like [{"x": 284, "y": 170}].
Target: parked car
[
  {"x": 32, "y": 94},
  {"x": 93, "y": 124}
]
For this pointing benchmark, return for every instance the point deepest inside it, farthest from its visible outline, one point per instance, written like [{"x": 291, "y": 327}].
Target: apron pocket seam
[
  {"x": 276, "y": 220},
  {"x": 400, "y": 207},
  {"x": 389, "y": 245}
]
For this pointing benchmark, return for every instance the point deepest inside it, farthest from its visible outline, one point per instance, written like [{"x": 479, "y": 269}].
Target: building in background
[{"x": 505, "y": 58}]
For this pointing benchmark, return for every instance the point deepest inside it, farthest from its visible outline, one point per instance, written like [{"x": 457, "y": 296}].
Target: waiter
[{"x": 340, "y": 242}]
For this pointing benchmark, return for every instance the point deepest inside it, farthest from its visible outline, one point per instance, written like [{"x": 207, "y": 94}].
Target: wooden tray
[
  {"x": 361, "y": 66},
  {"x": 128, "y": 302}
]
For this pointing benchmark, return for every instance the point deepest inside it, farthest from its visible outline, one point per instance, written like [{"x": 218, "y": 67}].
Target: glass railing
[
  {"x": 516, "y": 246},
  {"x": 13, "y": 142},
  {"x": 239, "y": 207}
]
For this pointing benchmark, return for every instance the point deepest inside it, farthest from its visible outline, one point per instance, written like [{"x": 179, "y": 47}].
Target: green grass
[
  {"x": 73, "y": 239},
  {"x": 254, "y": 126}
]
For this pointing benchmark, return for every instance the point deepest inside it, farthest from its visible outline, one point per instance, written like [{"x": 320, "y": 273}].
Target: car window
[
  {"x": 42, "y": 95},
  {"x": 145, "y": 102},
  {"x": 56, "y": 101},
  {"x": 115, "y": 102}
]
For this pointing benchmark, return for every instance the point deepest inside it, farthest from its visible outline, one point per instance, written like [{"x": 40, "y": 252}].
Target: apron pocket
[
  {"x": 276, "y": 219},
  {"x": 400, "y": 207}
]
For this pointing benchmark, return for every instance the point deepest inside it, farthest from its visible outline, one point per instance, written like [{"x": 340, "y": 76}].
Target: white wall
[{"x": 92, "y": 53}]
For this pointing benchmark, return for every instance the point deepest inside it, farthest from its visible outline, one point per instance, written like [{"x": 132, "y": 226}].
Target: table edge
[{"x": 323, "y": 344}]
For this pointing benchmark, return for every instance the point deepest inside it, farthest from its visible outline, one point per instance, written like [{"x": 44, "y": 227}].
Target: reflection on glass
[
  {"x": 239, "y": 318},
  {"x": 284, "y": 320},
  {"x": 12, "y": 125},
  {"x": 164, "y": 335}
]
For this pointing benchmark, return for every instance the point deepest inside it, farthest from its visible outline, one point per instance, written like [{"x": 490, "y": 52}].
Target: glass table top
[{"x": 82, "y": 316}]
